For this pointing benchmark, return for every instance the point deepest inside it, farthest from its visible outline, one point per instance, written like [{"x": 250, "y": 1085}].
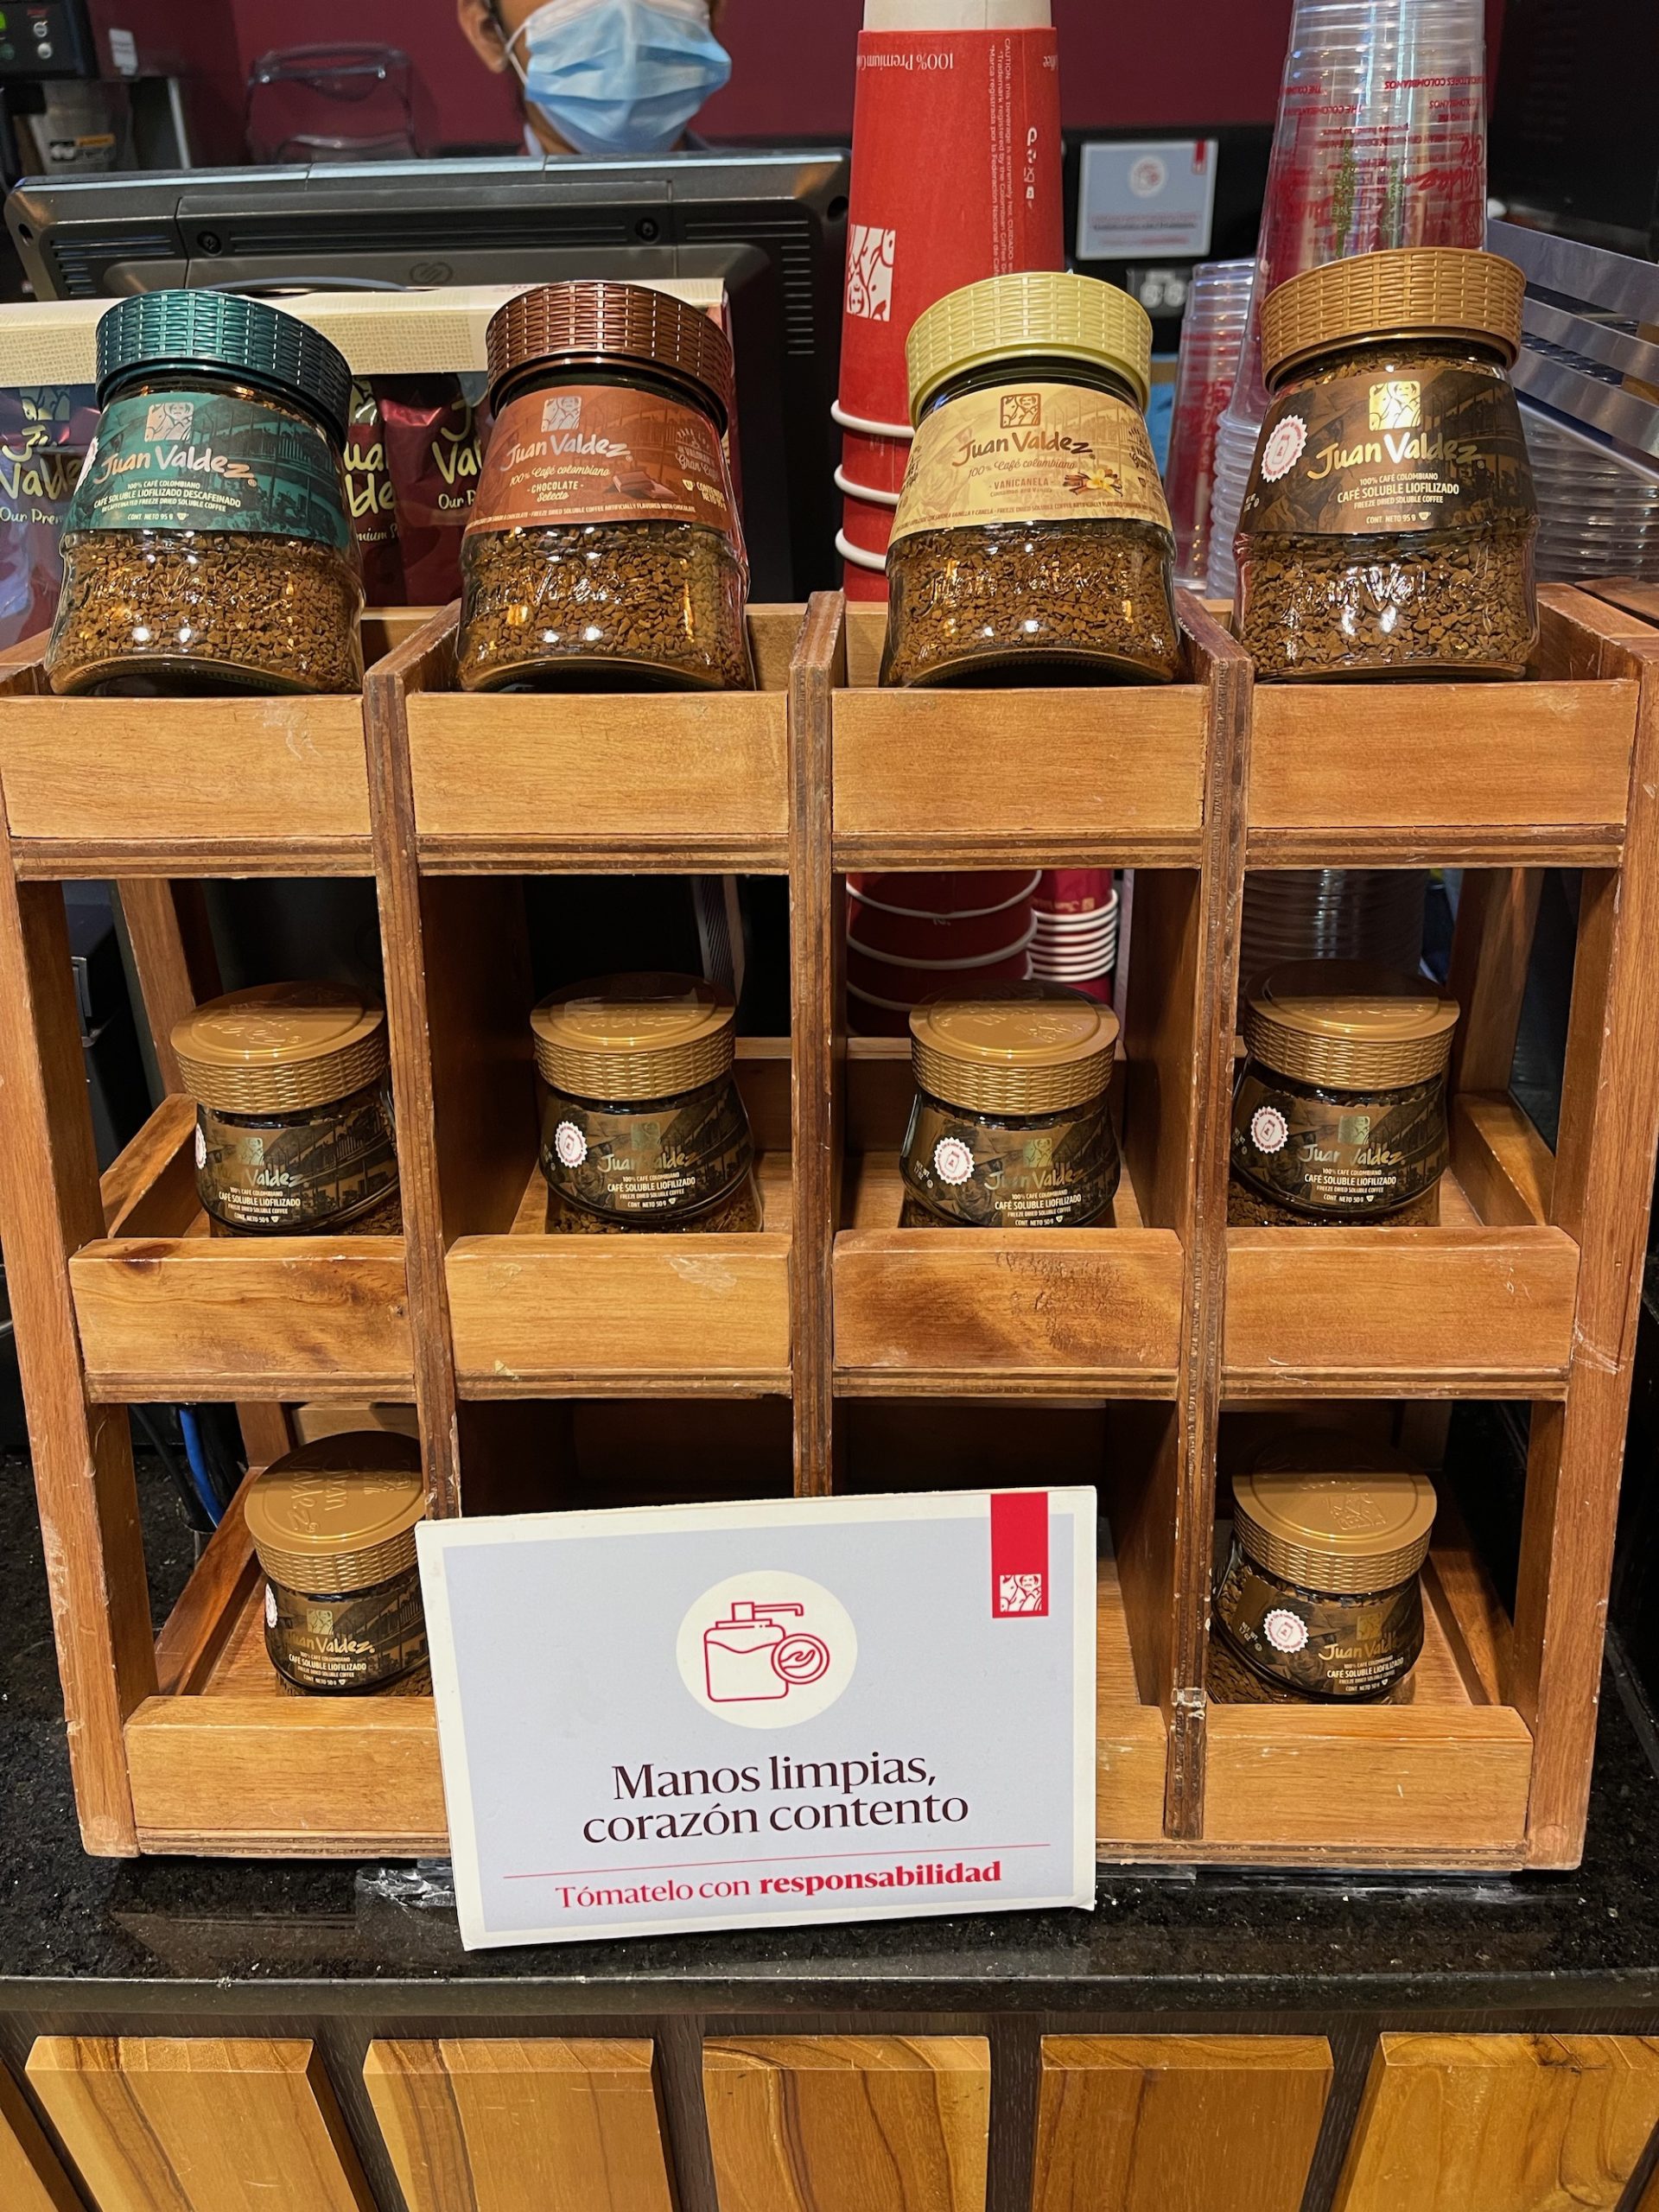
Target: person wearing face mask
[{"x": 602, "y": 76}]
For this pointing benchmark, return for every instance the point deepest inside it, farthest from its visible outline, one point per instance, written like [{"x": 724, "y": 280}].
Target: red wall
[{"x": 1182, "y": 62}]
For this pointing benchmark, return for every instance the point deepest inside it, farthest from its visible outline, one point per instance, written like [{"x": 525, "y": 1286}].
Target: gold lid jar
[
  {"x": 333, "y": 1526},
  {"x": 1320, "y": 1597},
  {"x": 1010, "y": 1128},
  {"x": 294, "y": 1121},
  {"x": 1032, "y": 528},
  {"x": 1387, "y": 525},
  {"x": 1339, "y": 1110},
  {"x": 643, "y": 1126}
]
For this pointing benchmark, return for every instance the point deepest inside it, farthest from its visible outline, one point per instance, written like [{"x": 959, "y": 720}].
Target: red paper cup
[
  {"x": 956, "y": 176},
  {"x": 873, "y": 462},
  {"x": 928, "y": 938},
  {"x": 1019, "y": 943},
  {"x": 910, "y": 985},
  {"x": 866, "y": 528},
  {"x": 974, "y": 891},
  {"x": 873, "y": 1017},
  {"x": 1066, "y": 891}
]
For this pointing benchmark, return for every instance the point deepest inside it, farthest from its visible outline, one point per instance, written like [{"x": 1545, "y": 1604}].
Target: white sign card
[
  {"x": 1146, "y": 198},
  {"x": 680, "y": 1718}
]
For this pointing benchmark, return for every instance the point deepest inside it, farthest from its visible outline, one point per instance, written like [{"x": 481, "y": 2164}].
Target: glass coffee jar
[
  {"x": 1031, "y": 542},
  {"x": 1388, "y": 523},
  {"x": 603, "y": 547},
  {"x": 333, "y": 1526},
  {"x": 1320, "y": 1597},
  {"x": 208, "y": 546},
  {"x": 1010, "y": 1128},
  {"x": 1339, "y": 1108},
  {"x": 643, "y": 1126},
  {"x": 294, "y": 1134}
]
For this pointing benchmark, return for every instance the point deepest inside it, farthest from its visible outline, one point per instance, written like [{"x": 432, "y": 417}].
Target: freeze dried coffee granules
[
  {"x": 1030, "y": 601},
  {"x": 650, "y": 602},
  {"x": 1388, "y": 523},
  {"x": 202, "y": 608}
]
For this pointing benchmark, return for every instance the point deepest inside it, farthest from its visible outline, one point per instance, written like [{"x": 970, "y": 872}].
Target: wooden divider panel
[
  {"x": 31, "y": 2179},
  {"x": 1178, "y": 2123},
  {"x": 200, "y": 2125},
  {"x": 552, "y": 2126},
  {"x": 1501, "y": 2123},
  {"x": 849, "y": 2123}
]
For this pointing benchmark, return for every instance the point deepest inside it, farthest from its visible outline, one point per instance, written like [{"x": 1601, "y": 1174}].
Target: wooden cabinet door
[
  {"x": 198, "y": 2124},
  {"x": 1501, "y": 2123},
  {"x": 1178, "y": 2123},
  {"x": 546, "y": 2126},
  {"x": 849, "y": 2123}
]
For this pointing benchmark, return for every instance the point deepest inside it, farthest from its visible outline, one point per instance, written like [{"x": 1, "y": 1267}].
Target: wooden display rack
[{"x": 832, "y": 1348}]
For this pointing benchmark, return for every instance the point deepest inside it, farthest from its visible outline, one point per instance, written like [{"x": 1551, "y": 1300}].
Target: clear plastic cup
[
  {"x": 1212, "y": 337},
  {"x": 1380, "y": 141}
]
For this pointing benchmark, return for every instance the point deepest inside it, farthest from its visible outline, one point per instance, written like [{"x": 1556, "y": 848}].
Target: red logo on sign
[{"x": 1020, "y": 1554}]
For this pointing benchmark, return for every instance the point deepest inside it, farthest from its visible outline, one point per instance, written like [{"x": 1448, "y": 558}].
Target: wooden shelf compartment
[
  {"x": 596, "y": 780},
  {"x": 923, "y": 1311},
  {"x": 165, "y": 1311},
  {"x": 1481, "y": 1306},
  {"x": 946, "y": 779},
  {"x": 237, "y": 785},
  {"x": 1534, "y": 773},
  {"x": 534, "y": 1314}
]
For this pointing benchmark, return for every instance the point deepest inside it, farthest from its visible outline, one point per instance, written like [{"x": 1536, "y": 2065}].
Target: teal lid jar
[{"x": 208, "y": 544}]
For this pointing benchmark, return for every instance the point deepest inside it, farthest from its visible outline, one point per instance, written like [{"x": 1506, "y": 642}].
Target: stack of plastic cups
[
  {"x": 1598, "y": 513},
  {"x": 1076, "y": 940},
  {"x": 957, "y": 176},
  {"x": 1381, "y": 141},
  {"x": 1212, "y": 337},
  {"x": 1330, "y": 914},
  {"x": 913, "y": 937}
]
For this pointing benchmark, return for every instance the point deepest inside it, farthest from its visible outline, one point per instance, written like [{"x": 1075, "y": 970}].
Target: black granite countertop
[{"x": 178, "y": 1934}]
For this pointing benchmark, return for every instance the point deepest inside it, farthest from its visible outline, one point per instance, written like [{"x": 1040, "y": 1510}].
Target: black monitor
[{"x": 770, "y": 226}]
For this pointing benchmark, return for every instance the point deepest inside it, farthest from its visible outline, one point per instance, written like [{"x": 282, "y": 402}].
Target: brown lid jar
[
  {"x": 1010, "y": 1129},
  {"x": 1387, "y": 525},
  {"x": 604, "y": 548},
  {"x": 643, "y": 1126},
  {"x": 333, "y": 1526},
  {"x": 1031, "y": 532},
  {"x": 1320, "y": 1597},
  {"x": 1339, "y": 1110},
  {"x": 294, "y": 1121}
]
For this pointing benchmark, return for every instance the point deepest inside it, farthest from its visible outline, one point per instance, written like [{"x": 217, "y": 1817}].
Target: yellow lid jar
[{"x": 1033, "y": 541}]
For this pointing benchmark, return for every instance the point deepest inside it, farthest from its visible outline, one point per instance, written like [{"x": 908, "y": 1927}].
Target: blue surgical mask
[{"x": 619, "y": 76}]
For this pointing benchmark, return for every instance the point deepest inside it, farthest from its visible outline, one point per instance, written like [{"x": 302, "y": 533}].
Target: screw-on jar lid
[
  {"x": 280, "y": 1048},
  {"x": 597, "y": 322},
  {"x": 638, "y": 1036},
  {"x": 1014, "y": 1048},
  {"x": 1035, "y": 312},
  {"x": 1413, "y": 291},
  {"x": 207, "y": 332},
  {"x": 339, "y": 1514},
  {"x": 1334, "y": 1513},
  {"x": 1351, "y": 1025}
]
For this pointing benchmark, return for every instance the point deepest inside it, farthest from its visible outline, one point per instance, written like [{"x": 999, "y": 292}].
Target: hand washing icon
[{"x": 750, "y": 1654}]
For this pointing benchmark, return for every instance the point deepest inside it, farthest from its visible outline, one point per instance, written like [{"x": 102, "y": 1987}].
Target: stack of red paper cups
[
  {"x": 956, "y": 176},
  {"x": 913, "y": 937},
  {"x": 1074, "y": 937}
]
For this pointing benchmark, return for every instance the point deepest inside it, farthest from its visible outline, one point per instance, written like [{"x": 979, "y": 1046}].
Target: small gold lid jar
[
  {"x": 643, "y": 1126},
  {"x": 293, "y": 1118},
  {"x": 333, "y": 1526},
  {"x": 1320, "y": 1597},
  {"x": 1339, "y": 1111},
  {"x": 1010, "y": 1129}
]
